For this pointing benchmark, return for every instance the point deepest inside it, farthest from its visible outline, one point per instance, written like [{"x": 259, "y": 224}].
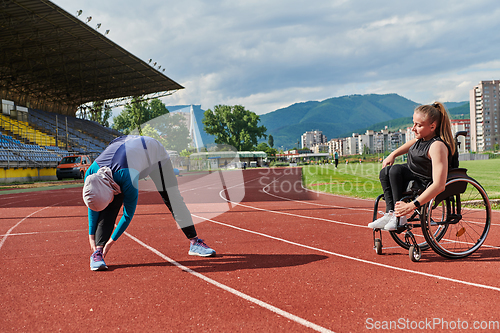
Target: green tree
[
  {"x": 266, "y": 149},
  {"x": 174, "y": 134},
  {"x": 100, "y": 113},
  {"x": 136, "y": 113},
  {"x": 233, "y": 125},
  {"x": 270, "y": 141}
]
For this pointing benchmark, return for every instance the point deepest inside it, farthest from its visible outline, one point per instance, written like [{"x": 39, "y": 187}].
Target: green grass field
[{"x": 361, "y": 179}]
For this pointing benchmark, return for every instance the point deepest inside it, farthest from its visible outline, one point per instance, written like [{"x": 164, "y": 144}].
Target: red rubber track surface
[{"x": 288, "y": 260}]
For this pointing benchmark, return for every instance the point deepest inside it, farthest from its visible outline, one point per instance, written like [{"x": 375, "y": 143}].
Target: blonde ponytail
[{"x": 437, "y": 113}]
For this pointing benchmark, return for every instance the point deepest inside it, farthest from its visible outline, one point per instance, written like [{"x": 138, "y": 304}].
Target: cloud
[{"x": 264, "y": 54}]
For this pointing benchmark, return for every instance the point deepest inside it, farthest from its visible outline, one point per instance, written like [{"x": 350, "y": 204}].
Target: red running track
[{"x": 288, "y": 260}]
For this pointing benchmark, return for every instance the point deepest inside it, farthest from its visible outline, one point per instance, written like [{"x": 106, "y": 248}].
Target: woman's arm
[
  {"x": 438, "y": 153},
  {"x": 389, "y": 160}
]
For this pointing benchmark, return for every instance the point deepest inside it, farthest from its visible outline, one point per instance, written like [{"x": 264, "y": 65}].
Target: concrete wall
[{"x": 27, "y": 175}]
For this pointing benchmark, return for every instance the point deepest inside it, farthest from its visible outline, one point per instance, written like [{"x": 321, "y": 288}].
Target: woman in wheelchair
[{"x": 429, "y": 158}]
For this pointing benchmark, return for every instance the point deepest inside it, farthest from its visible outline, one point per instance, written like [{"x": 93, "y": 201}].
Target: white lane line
[
  {"x": 308, "y": 202},
  {"x": 439, "y": 277},
  {"x": 4, "y": 238},
  {"x": 9, "y": 232},
  {"x": 284, "y": 213},
  {"x": 233, "y": 291},
  {"x": 338, "y": 254},
  {"x": 42, "y": 232}
]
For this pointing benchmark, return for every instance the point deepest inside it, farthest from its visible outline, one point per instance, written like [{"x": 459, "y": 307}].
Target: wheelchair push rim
[{"x": 467, "y": 219}]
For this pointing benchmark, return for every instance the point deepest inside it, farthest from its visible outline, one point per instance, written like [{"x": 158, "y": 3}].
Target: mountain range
[
  {"x": 335, "y": 117},
  {"x": 341, "y": 116}
]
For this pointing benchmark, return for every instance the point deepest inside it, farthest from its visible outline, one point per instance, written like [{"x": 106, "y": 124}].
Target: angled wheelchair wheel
[
  {"x": 415, "y": 253},
  {"x": 458, "y": 220}
]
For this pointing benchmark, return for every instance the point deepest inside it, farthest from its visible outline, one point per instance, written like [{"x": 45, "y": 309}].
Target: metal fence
[{"x": 473, "y": 157}]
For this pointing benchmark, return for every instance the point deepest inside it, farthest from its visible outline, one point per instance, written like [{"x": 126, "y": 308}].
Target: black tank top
[{"x": 418, "y": 158}]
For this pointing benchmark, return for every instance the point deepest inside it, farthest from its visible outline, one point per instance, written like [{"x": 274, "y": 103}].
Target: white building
[
  {"x": 312, "y": 138},
  {"x": 484, "y": 116},
  {"x": 462, "y": 125},
  {"x": 337, "y": 145},
  {"x": 320, "y": 148},
  {"x": 352, "y": 144}
]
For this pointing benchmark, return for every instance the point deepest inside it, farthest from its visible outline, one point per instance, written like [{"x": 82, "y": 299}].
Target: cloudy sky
[{"x": 269, "y": 54}]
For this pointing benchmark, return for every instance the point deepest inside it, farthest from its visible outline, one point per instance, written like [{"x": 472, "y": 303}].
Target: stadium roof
[{"x": 51, "y": 60}]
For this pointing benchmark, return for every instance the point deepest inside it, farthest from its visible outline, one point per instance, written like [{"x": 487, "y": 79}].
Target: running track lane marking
[
  {"x": 24, "y": 219},
  {"x": 268, "y": 186},
  {"x": 246, "y": 297},
  {"x": 18, "y": 223},
  {"x": 338, "y": 254},
  {"x": 353, "y": 258}
]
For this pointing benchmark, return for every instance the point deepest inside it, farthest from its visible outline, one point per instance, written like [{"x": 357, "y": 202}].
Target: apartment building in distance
[
  {"x": 312, "y": 138},
  {"x": 484, "y": 116},
  {"x": 338, "y": 145},
  {"x": 458, "y": 125},
  {"x": 370, "y": 142}
]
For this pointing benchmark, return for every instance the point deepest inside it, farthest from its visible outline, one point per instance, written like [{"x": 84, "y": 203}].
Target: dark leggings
[
  {"x": 394, "y": 180},
  {"x": 166, "y": 184}
]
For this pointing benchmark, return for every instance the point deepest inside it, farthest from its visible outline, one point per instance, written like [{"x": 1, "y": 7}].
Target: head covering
[{"x": 99, "y": 189}]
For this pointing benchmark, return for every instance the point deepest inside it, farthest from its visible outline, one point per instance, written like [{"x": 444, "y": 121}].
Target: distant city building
[
  {"x": 484, "y": 116},
  {"x": 397, "y": 139},
  {"x": 352, "y": 144},
  {"x": 365, "y": 142},
  {"x": 462, "y": 125},
  {"x": 337, "y": 145},
  {"x": 381, "y": 141},
  {"x": 410, "y": 135},
  {"x": 320, "y": 148},
  {"x": 312, "y": 138}
]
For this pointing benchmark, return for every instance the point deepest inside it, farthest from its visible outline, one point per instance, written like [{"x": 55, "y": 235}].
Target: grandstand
[
  {"x": 42, "y": 140},
  {"x": 51, "y": 65}
]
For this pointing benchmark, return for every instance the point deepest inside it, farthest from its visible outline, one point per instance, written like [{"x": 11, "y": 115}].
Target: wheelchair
[{"x": 454, "y": 224}]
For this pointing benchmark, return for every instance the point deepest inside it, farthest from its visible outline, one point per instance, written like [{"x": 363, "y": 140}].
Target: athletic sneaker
[
  {"x": 97, "y": 261},
  {"x": 393, "y": 223},
  {"x": 381, "y": 222},
  {"x": 199, "y": 248}
]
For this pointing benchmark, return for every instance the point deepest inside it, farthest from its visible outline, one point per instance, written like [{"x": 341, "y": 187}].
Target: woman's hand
[
  {"x": 404, "y": 208},
  {"x": 107, "y": 247},
  {"x": 92, "y": 242},
  {"x": 389, "y": 160}
]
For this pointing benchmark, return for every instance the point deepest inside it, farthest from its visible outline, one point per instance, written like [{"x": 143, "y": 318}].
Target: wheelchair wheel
[
  {"x": 461, "y": 215},
  {"x": 378, "y": 246},
  {"x": 415, "y": 253}
]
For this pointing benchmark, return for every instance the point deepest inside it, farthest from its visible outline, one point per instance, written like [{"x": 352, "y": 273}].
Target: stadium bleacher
[{"x": 33, "y": 143}]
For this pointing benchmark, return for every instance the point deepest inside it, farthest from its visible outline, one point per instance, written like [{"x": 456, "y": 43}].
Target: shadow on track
[{"x": 235, "y": 262}]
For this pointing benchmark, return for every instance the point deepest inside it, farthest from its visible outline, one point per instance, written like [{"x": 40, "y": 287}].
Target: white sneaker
[
  {"x": 393, "y": 223},
  {"x": 381, "y": 222}
]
